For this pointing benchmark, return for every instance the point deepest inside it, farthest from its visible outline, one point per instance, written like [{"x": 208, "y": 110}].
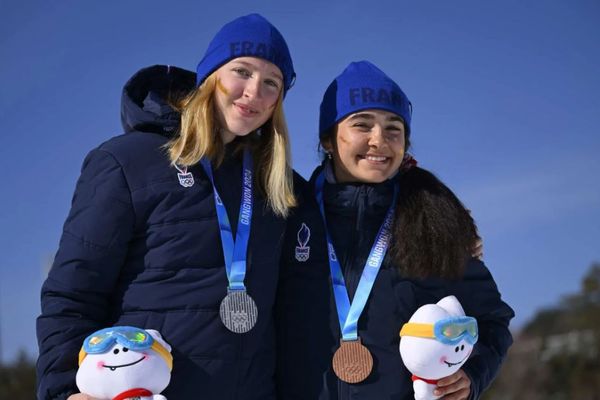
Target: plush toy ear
[
  {"x": 157, "y": 336},
  {"x": 452, "y": 306}
]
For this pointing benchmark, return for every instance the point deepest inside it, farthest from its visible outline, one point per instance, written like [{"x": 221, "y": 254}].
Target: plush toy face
[
  {"x": 121, "y": 367},
  {"x": 438, "y": 339}
]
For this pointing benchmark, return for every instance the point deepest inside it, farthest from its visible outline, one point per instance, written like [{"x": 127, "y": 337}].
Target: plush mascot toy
[
  {"x": 435, "y": 343},
  {"x": 124, "y": 362}
]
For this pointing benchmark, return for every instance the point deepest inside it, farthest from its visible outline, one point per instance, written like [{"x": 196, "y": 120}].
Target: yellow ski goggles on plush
[
  {"x": 448, "y": 331},
  {"x": 127, "y": 336}
]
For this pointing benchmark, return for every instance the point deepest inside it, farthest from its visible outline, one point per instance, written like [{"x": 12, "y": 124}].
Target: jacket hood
[{"x": 145, "y": 100}]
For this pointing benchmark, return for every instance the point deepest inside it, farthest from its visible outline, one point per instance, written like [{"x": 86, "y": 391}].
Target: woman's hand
[
  {"x": 454, "y": 387},
  {"x": 80, "y": 396}
]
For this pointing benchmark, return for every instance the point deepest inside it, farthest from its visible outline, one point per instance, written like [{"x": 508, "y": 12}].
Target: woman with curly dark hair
[{"x": 374, "y": 238}]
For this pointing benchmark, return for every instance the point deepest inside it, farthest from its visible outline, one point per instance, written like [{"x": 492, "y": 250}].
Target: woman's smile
[
  {"x": 367, "y": 147},
  {"x": 245, "y": 110}
]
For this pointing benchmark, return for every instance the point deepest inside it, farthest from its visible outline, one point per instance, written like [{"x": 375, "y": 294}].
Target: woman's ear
[{"x": 327, "y": 144}]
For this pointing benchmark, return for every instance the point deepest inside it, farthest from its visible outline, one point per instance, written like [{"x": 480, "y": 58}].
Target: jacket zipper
[{"x": 354, "y": 271}]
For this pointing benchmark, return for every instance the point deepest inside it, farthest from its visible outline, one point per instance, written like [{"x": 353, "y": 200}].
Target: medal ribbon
[
  {"x": 348, "y": 314},
  {"x": 235, "y": 252}
]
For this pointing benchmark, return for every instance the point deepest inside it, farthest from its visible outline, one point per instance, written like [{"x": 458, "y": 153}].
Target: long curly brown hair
[{"x": 433, "y": 233}]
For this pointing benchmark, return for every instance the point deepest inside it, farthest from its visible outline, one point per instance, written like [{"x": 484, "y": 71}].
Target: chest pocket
[
  {"x": 405, "y": 296},
  {"x": 176, "y": 226}
]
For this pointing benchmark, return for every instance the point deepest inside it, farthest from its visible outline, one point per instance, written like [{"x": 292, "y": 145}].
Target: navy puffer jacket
[
  {"x": 308, "y": 328},
  {"x": 140, "y": 249}
]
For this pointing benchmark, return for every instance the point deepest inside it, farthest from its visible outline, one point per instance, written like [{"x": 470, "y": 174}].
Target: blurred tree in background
[
  {"x": 556, "y": 355},
  {"x": 17, "y": 380}
]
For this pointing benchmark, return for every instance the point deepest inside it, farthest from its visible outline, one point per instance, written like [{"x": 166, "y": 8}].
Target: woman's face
[
  {"x": 246, "y": 93},
  {"x": 368, "y": 146}
]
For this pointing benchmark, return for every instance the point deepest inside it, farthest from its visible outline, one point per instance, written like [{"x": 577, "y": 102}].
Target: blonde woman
[{"x": 176, "y": 225}]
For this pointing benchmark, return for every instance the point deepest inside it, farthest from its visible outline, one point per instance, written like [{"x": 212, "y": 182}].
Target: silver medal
[{"x": 238, "y": 311}]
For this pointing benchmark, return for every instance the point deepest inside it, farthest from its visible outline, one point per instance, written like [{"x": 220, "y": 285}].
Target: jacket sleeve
[
  {"x": 480, "y": 298},
  {"x": 76, "y": 296}
]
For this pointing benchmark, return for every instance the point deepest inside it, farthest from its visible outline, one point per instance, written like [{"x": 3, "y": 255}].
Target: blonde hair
[{"x": 269, "y": 145}]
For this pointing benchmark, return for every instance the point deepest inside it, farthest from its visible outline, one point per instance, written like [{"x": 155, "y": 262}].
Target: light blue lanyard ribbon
[
  {"x": 235, "y": 252},
  {"x": 348, "y": 314}
]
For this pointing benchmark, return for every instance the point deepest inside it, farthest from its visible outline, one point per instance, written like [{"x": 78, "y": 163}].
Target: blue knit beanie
[
  {"x": 248, "y": 36},
  {"x": 360, "y": 87}
]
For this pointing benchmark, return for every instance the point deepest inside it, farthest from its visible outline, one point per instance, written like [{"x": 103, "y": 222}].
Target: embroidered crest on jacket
[
  {"x": 303, "y": 251},
  {"x": 186, "y": 179}
]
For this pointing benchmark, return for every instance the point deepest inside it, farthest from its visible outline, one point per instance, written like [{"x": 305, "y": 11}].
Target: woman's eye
[
  {"x": 272, "y": 83},
  {"x": 394, "y": 131},
  {"x": 242, "y": 71}
]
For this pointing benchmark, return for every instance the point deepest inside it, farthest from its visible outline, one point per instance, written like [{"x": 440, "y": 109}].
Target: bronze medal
[{"x": 352, "y": 362}]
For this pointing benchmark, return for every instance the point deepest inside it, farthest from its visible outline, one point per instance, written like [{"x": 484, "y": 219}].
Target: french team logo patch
[
  {"x": 186, "y": 179},
  {"x": 303, "y": 251}
]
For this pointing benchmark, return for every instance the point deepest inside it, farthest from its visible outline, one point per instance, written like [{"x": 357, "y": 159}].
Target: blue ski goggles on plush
[
  {"x": 448, "y": 331},
  {"x": 133, "y": 338}
]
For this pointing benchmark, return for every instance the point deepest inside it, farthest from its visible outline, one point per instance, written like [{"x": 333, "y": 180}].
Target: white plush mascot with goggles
[
  {"x": 124, "y": 362},
  {"x": 435, "y": 343}
]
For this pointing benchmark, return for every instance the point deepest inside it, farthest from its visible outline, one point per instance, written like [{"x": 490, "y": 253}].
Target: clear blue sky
[{"x": 506, "y": 111}]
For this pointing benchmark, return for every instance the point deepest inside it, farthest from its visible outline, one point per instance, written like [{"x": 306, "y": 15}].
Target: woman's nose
[
  {"x": 376, "y": 135},
  {"x": 252, "y": 88}
]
